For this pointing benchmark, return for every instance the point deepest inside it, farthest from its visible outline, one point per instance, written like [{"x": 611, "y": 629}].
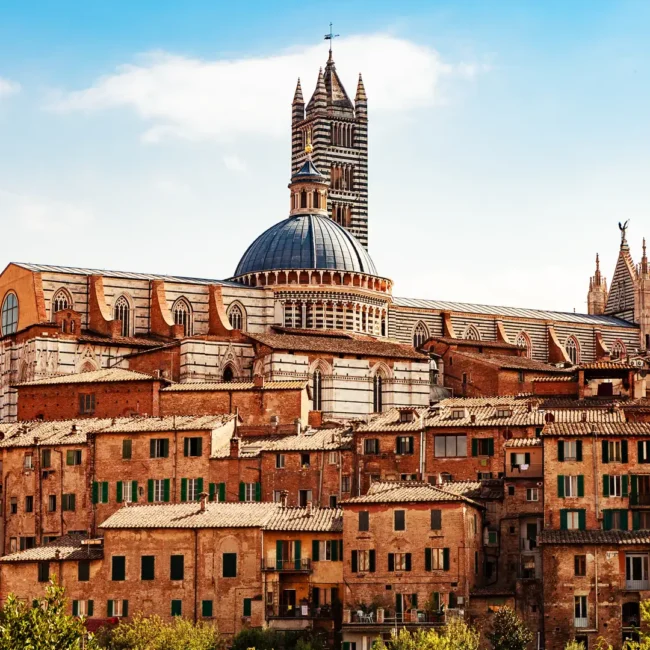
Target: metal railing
[
  {"x": 581, "y": 622},
  {"x": 300, "y": 611},
  {"x": 531, "y": 470},
  {"x": 302, "y": 564},
  {"x": 637, "y": 585}
]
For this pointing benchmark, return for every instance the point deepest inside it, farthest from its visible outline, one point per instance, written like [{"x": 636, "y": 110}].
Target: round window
[{"x": 9, "y": 314}]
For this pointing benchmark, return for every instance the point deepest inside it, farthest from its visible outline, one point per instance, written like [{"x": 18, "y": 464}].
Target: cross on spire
[{"x": 330, "y": 37}]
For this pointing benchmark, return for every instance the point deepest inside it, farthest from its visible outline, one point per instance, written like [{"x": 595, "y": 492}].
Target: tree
[
  {"x": 43, "y": 624},
  {"x": 509, "y": 631},
  {"x": 266, "y": 639},
  {"x": 456, "y": 635}
]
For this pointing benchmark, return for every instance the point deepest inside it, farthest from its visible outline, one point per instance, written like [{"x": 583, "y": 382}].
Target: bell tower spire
[{"x": 597, "y": 296}]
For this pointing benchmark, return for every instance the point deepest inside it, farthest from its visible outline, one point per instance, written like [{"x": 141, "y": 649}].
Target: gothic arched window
[
  {"x": 378, "y": 393},
  {"x": 572, "y": 348},
  {"x": 303, "y": 199},
  {"x": 420, "y": 334},
  {"x": 228, "y": 373},
  {"x": 236, "y": 316},
  {"x": 618, "y": 350},
  {"x": 122, "y": 312},
  {"x": 61, "y": 300},
  {"x": 183, "y": 315},
  {"x": 317, "y": 390},
  {"x": 472, "y": 334},
  {"x": 316, "y": 199},
  {"x": 523, "y": 341},
  {"x": 9, "y": 314}
]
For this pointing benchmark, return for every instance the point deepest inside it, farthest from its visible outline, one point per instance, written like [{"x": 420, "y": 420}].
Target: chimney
[
  {"x": 203, "y": 497},
  {"x": 57, "y": 554},
  {"x": 298, "y": 424},
  {"x": 472, "y": 418},
  {"x": 584, "y": 416},
  {"x": 309, "y": 508},
  {"x": 284, "y": 495},
  {"x": 258, "y": 381},
  {"x": 74, "y": 429},
  {"x": 234, "y": 447},
  {"x": 275, "y": 421}
]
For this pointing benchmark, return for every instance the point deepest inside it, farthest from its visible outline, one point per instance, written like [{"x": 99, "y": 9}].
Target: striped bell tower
[{"x": 338, "y": 131}]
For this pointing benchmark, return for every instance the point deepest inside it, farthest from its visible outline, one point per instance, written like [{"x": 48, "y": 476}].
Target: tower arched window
[
  {"x": 619, "y": 350},
  {"x": 523, "y": 341},
  {"x": 420, "y": 334},
  {"x": 317, "y": 390},
  {"x": 183, "y": 315},
  {"x": 61, "y": 300},
  {"x": 378, "y": 393},
  {"x": 572, "y": 348},
  {"x": 9, "y": 314},
  {"x": 316, "y": 200},
  {"x": 228, "y": 373},
  {"x": 472, "y": 334},
  {"x": 122, "y": 312},
  {"x": 303, "y": 199},
  {"x": 236, "y": 316}
]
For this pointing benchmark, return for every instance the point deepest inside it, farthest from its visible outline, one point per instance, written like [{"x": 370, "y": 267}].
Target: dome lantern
[{"x": 308, "y": 188}]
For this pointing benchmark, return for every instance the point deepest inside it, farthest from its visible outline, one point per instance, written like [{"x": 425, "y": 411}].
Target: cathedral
[{"x": 305, "y": 301}]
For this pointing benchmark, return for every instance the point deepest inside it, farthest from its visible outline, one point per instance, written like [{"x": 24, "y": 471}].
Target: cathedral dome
[{"x": 306, "y": 241}]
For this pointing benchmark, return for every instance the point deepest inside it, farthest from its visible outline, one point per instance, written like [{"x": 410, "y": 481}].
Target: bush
[
  {"x": 456, "y": 635},
  {"x": 267, "y": 639},
  {"x": 509, "y": 631}
]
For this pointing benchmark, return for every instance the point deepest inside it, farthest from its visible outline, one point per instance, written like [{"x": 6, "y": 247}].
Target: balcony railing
[
  {"x": 528, "y": 544},
  {"x": 534, "y": 470},
  {"x": 301, "y": 565},
  {"x": 581, "y": 622},
  {"x": 300, "y": 611},
  {"x": 637, "y": 585},
  {"x": 639, "y": 499},
  {"x": 390, "y": 617}
]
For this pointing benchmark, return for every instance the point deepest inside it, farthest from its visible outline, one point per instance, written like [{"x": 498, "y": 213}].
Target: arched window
[
  {"x": 183, "y": 315},
  {"x": 9, "y": 314},
  {"x": 228, "y": 373},
  {"x": 471, "y": 333},
  {"x": 316, "y": 199},
  {"x": 122, "y": 312},
  {"x": 420, "y": 334},
  {"x": 433, "y": 372},
  {"x": 236, "y": 317},
  {"x": 317, "y": 390},
  {"x": 618, "y": 350},
  {"x": 572, "y": 348},
  {"x": 378, "y": 393},
  {"x": 523, "y": 341},
  {"x": 61, "y": 300},
  {"x": 303, "y": 199}
]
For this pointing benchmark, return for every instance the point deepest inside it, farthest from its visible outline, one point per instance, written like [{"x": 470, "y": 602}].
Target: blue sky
[{"x": 506, "y": 138}]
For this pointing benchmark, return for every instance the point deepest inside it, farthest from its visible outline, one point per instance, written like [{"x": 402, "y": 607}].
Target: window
[
  {"x": 60, "y": 301},
  {"x": 641, "y": 520},
  {"x": 483, "y": 447},
  {"x": 493, "y": 538},
  {"x": 29, "y": 503},
  {"x": 580, "y": 565},
  {"x": 408, "y": 477},
  {"x": 100, "y": 492},
  {"x": 420, "y": 334},
  {"x": 404, "y": 445},
  {"x": 86, "y": 403},
  {"x": 230, "y": 565},
  {"x": 569, "y": 450},
  {"x": 206, "y": 608},
  {"x": 51, "y": 503},
  {"x": 228, "y": 373},
  {"x": 250, "y": 492},
  {"x": 523, "y": 341},
  {"x": 615, "y": 520},
  {"x": 122, "y": 313},
  {"x": 248, "y": 607},
  {"x": 451, "y": 446},
  {"x": 643, "y": 447},
  {"x": 436, "y": 520},
  {"x": 305, "y": 460},
  {"x": 83, "y": 608},
  {"x": 73, "y": 457},
  {"x": 118, "y": 567},
  {"x": 183, "y": 315},
  {"x": 158, "y": 490},
  {"x": 618, "y": 350},
  {"x": 148, "y": 567},
  {"x": 570, "y": 486},
  {"x": 127, "y": 449},
  {"x": 333, "y": 457},
  {"x": 159, "y": 448},
  {"x": 83, "y": 570},
  {"x": 511, "y": 490},
  {"x": 236, "y": 317},
  {"x": 580, "y": 611},
  {"x": 614, "y": 451},
  {"x": 43, "y": 571},
  {"x": 399, "y": 561},
  {"x": 377, "y": 393},
  {"x": 436, "y": 559},
  {"x": 333, "y": 500},
  {"x": 68, "y": 502},
  {"x": 177, "y": 567},
  {"x": 458, "y": 414},
  {"x": 363, "y": 561},
  {"x": 26, "y": 543},
  {"x": 472, "y": 333},
  {"x": 532, "y": 494},
  {"x": 572, "y": 519},
  {"x": 279, "y": 461},
  {"x": 327, "y": 551},
  {"x": 46, "y": 458},
  {"x": 127, "y": 491},
  {"x": 345, "y": 483},
  {"x": 304, "y": 497},
  {"x": 28, "y": 461},
  {"x": 13, "y": 506},
  {"x": 364, "y": 520},
  {"x": 192, "y": 447},
  {"x": 317, "y": 390},
  {"x": 371, "y": 446},
  {"x": 615, "y": 485},
  {"x": 277, "y": 496},
  {"x": 9, "y": 314},
  {"x": 573, "y": 350},
  {"x": 191, "y": 488},
  {"x": 399, "y": 520},
  {"x": 117, "y": 608},
  {"x": 484, "y": 476}
]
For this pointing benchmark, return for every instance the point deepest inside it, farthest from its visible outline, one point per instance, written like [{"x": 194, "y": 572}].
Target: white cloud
[
  {"x": 8, "y": 87},
  {"x": 41, "y": 215},
  {"x": 234, "y": 163},
  {"x": 221, "y": 99}
]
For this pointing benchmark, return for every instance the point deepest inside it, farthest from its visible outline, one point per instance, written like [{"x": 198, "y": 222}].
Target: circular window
[{"x": 9, "y": 314}]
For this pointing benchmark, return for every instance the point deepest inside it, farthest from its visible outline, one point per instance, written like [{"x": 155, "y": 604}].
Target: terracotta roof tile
[
  {"x": 311, "y": 440},
  {"x": 476, "y": 343},
  {"x": 327, "y": 520},
  {"x": 517, "y": 443},
  {"x": 626, "y": 537},
  {"x": 231, "y": 386},
  {"x": 67, "y": 547},
  {"x": 107, "y": 375},
  {"x": 607, "y": 365},
  {"x": 405, "y": 492},
  {"x": 391, "y": 421},
  {"x": 601, "y": 428},
  {"x": 513, "y": 363}
]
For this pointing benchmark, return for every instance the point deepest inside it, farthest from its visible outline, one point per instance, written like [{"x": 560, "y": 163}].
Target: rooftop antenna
[{"x": 330, "y": 37}]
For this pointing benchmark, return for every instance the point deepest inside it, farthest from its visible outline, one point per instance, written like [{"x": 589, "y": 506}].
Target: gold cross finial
[{"x": 308, "y": 146}]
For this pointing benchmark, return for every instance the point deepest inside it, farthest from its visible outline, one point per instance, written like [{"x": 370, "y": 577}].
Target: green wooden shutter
[
  {"x": 248, "y": 606},
  {"x": 334, "y": 554},
  {"x": 490, "y": 446},
  {"x": 391, "y": 561},
  {"x": 105, "y": 492},
  {"x": 297, "y": 549},
  {"x": 639, "y": 450},
  {"x": 315, "y": 550},
  {"x": 90, "y": 608},
  {"x": 258, "y": 491},
  {"x": 109, "y": 608},
  {"x": 206, "y": 608},
  {"x": 527, "y": 458},
  {"x": 118, "y": 492},
  {"x": 474, "y": 447},
  {"x": 624, "y": 519},
  {"x": 242, "y": 491},
  {"x": 222, "y": 492},
  {"x": 184, "y": 488},
  {"x": 354, "y": 561},
  {"x": 634, "y": 490},
  {"x": 95, "y": 492},
  {"x": 560, "y": 486},
  {"x": 427, "y": 559},
  {"x": 605, "y": 447},
  {"x": 315, "y": 596},
  {"x": 346, "y": 645},
  {"x": 150, "y": 490},
  {"x": 125, "y": 608},
  {"x": 75, "y": 608},
  {"x": 579, "y": 450},
  {"x": 624, "y": 454},
  {"x": 636, "y": 520},
  {"x": 605, "y": 485},
  {"x": 134, "y": 491},
  {"x": 212, "y": 491},
  {"x": 560, "y": 450},
  {"x": 372, "y": 560},
  {"x": 581, "y": 485},
  {"x": 340, "y": 550},
  {"x": 408, "y": 561},
  {"x": 199, "y": 485},
  {"x": 152, "y": 448},
  {"x": 445, "y": 559},
  {"x": 563, "y": 519},
  {"x": 582, "y": 519},
  {"x": 607, "y": 519},
  {"x": 186, "y": 446},
  {"x": 278, "y": 554},
  {"x": 414, "y": 601},
  {"x": 166, "y": 490},
  {"x": 625, "y": 481}
]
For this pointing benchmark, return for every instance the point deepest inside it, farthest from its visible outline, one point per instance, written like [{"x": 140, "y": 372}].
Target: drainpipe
[
  {"x": 320, "y": 478},
  {"x": 60, "y": 452},
  {"x": 174, "y": 462},
  {"x": 4, "y": 514},
  {"x": 196, "y": 571},
  {"x": 596, "y": 578},
  {"x": 423, "y": 457},
  {"x": 595, "y": 460}
]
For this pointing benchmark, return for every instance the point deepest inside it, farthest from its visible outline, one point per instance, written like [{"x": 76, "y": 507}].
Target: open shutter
[
  {"x": 560, "y": 486},
  {"x": 222, "y": 492},
  {"x": 109, "y": 609},
  {"x": 297, "y": 546},
  {"x": 625, "y": 481},
  {"x": 118, "y": 492},
  {"x": 186, "y": 446},
  {"x": 315, "y": 548},
  {"x": 607, "y": 519},
  {"x": 560, "y": 450},
  {"x": 199, "y": 485},
  {"x": 490, "y": 446},
  {"x": 335, "y": 550},
  {"x": 242, "y": 491},
  {"x": 427, "y": 559},
  {"x": 315, "y": 597},
  {"x": 391, "y": 562},
  {"x": 581, "y": 485},
  {"x": 340, "y": 550},
  {"x": 150, "y": 490},
  {"x": 623, "y": 519},
  {"x": 408, "y": 561},
  {"x": 184, "y": 487},
  {"x": 212, "y": 491},
  {"x": 90, "y": 608},
  {"x": 605, "y": 447},
  {"x": 75, "y": 608},
  {"x": 527, "y": 458},
  {"x": 166, "y": 490},
  {"x": 372, "y": 560},
  {"x": 134, "y": 491},
  {"x": 474, "y": 447},
  {"x": 95, "y": 492},
  {"x": 278, "y": 554},
  {"x": 624, "y": 454},
  {"x": 563, "y": 519},
  {"x": 125, "y": 608},
  {"x": 579, "y": 450},
  {"x": 152, "y": 448},
  {"x": 605, "y": 485},
  {"x": 258, "y": 491},
  {"x": 354, "y": 562},
  {"x": 636, "y": 520},
  {"x": 445, "y": 559},
  {"x": 639, "y": 450},
  {"x": 582, "y": 519},
  {"x": 105, "y": 492},
  {"x": 634, "y": 490}
]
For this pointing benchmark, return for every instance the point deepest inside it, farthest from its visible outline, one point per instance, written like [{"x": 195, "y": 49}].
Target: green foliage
[
  {"x": 574, "y": 645},
  {"x": 152, "y": 633},
  {"x": 266, "y": 639},
  {"x": 42, "y": 625},
  {"x": 456, "y": 635},
  {"x": 509, "y": 631}
]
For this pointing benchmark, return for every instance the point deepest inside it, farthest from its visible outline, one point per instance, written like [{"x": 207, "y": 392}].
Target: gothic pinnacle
[
  {"x": 361, "y": 91},
  {"x": 297, "y": 98}
]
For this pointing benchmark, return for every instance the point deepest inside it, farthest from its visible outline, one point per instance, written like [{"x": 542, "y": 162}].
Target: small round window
[{"x": 9, "y": 314}]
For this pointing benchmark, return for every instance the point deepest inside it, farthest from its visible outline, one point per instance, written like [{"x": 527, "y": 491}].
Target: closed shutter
[
  {"x": 222, "y": 492},
  {"x": 199, "y": 486},
  {"x": 563, "y": 519},
  {"x": 625, "y": 488},
  {"x": 436, "y": 519},
  {"x": 340, "y": 550},
  {"x": 315, "y": 596},
  {"x": 579, "y": 450},
  {"x": 125, "y": 608},
  {"x": 90, "y": 608},
  {"x": 354, "y": 561},
  {"x": 634, "y": 490},
  {"x": 278, "y": 555},
  {"x": 297, "y": 546},
  {"x": 474, "y": 447},
  {"x": 335, "y": 550},
  {"x": 624, "y": 454},
  {"x": 605, "y": 448},
  {"x": 605, "y": 485},
  {"x": 607, "y": 519},
  {"x": 206, "y": 608},
  {"x": 636, "y": 520},
  {"x": 427, "y": 559},
  {"x": 212, "y": 491},
  {"x": 581, "y": 485},
  {"x": 150, "y": 490},
  {"x": 126, "y": 449},
  {"x": 177, "y": 605},
  {"x": 242, "y": 491},
  {"x": 258, "y": 491},
  {"x": 118, "y": 492},
  {"x": 391, "y": 562},
  {"x": 152, "y": 448},
  {"x": 134, "y": 491},
  {"x": 622, "y": 514},
  {"x": 166, "y": 490},
  {"x": 95, "y": 492},
  {"x": 315, "y": 548},
  {"x": 177, "y": 567},
  {"x": 582, "y": 519},
  {"x": 105, "y": 492},
  {"x": 186, "y": 446},
  {"x": 248, "y": 606},
  {"x": 560, "y": 450},
  {"x": 109, "y": 608},
  {"x": 408, "y": 561},
  {"x": 372, "y": 560},
  {"x": 184, "y": 486},
  {"x": 75, "y": 608},
  {"x": 560, "y": 486},
  {"x": 445, "y": 559},
  {"x": 490, "y": 446}
]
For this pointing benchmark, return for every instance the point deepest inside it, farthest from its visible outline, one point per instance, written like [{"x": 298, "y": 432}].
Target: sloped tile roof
[
  {"x": 405, "y": 492},
  {"x": 124, "y": 341},
  {"x": 547, "y": 380},
  {"x": 189, "y": 386},
  {"x": 476, "y": 343},
  {"x": 311, "y": 440},
  {"x": 513, "y": 363},
  {"x": 67, "y": 547},
  {"x": 607, "y": 365},
  {"x": 486, "y": 489},
  {"x": 523, "y": 442},
  {"x": 390, "y": 421},
  {"x": 108, "y": 375},
  {"x": 327, "y": 520},
  {"x": 601, "y": 428},
  {"x": 625, "y": 537},
  {"x": 168, "y": 423}
]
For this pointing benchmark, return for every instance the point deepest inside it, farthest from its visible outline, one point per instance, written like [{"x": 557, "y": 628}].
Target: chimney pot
[
  {"x": 203, "y": 497},
  {"x": 309, "y": 508},
  {"x": 284, "y": 495},
  {"x": 298, "y": 424}
]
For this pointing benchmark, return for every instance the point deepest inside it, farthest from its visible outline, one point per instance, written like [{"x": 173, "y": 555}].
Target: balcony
[
  {"x": 300, "y": 611},
  {"x": 528, "y": 545},
  {"x": 302, "y": 565},
  {"x": 581, "y": 622},
  {"x": 639, "y": 499},
  {"x": 637, "y": 585},
  {"x": 534, "y": 470},
  {"x": 390, "y": 618}
]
